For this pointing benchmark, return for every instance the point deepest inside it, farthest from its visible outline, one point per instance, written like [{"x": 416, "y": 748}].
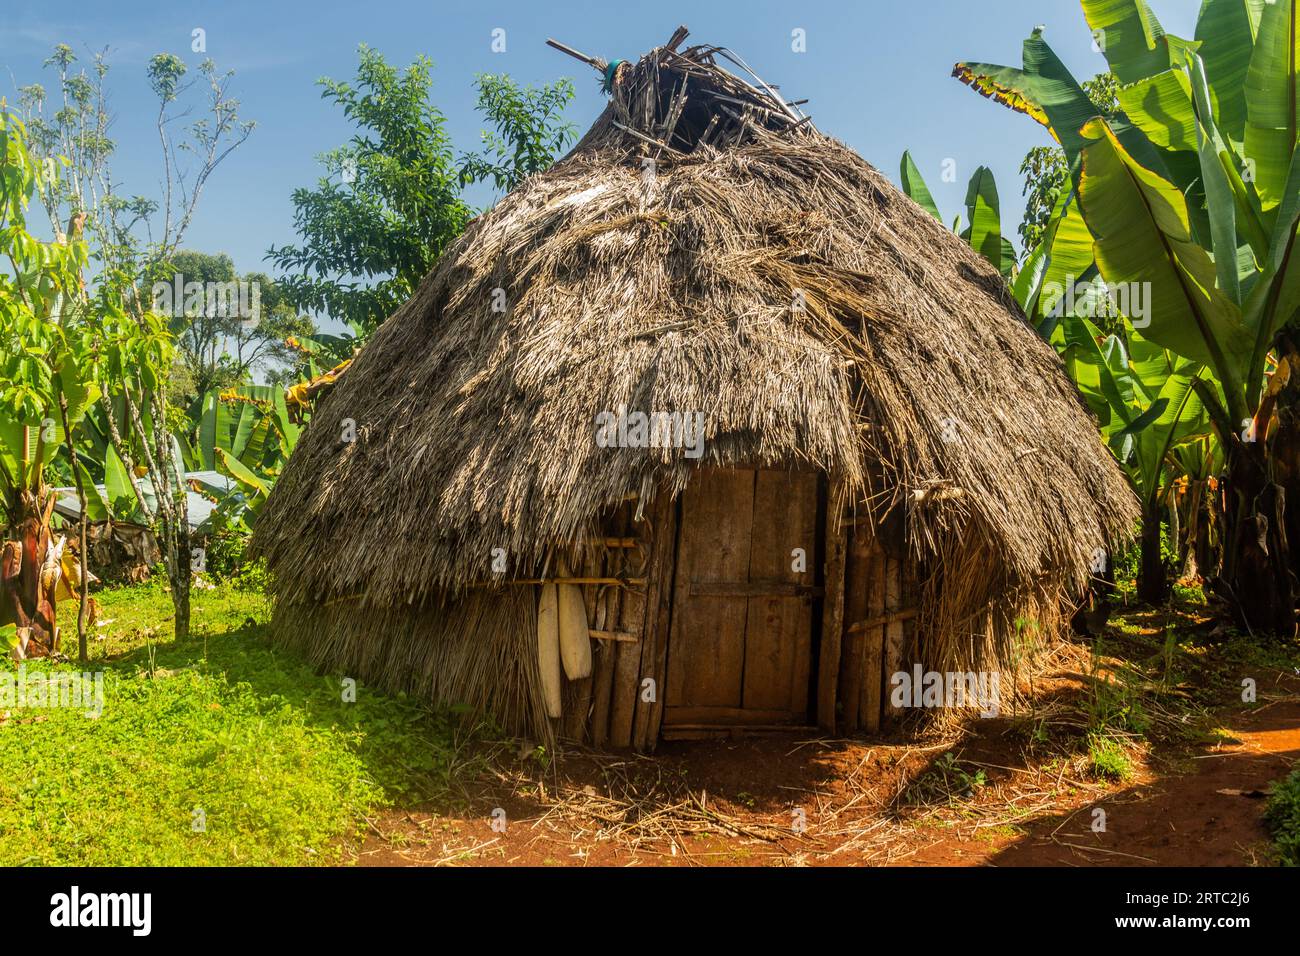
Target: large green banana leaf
[
  {"x": 1028, "y": 284},
  {"x": 248, "y": 419},
  {"x": 254, "y": 485},
  {"x": 1142, "y": 234},
  {"x": 1226, "y": 32},
  {"x": 1273, "y": 99},
  {"x": 1135, "y": 45},
  {"x": 1043, "y": 89},
  {"x": 1046, "y": 91},
  {"x": 1143, "y": 396},
  {"x": 1161, "y": 106},
  {"x": 1212, "y": 152},
  {"x": 97, "y": 506},
  {"x": 117, "y": 484},
  {"x": 983, "y": 212},
  {"x": 914, "y": 186},
  {"x": 1181, "y": 417},
  {"x": 289, "y": 431},
  {"x": 984, "y": 233},
  {"x": 208, "y": 430},
  {"x": 1069, "y": 247}
]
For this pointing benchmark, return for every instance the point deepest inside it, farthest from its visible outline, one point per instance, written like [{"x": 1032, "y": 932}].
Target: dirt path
[
  {"x": 1210, "y": 816},
  {"x": 785, "y": 801}
]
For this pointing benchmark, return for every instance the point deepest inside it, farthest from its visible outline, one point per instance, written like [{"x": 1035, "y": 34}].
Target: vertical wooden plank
[
  {"x": 620, "y": 525},
  {"x": 706, "y": 668},
  {"x": 872, "y": 662},
  {"x": 627, "y": 667},
  {"x": 627, "y": 657},
  {"x": 911, "y": 649},
  {"x": 893, "y": 631},
  {"x": 833, "y": 580},
  {"x": 660, "y": 613},
  {"x": 857, "y": 597},
  {"x": 603, "y": 683},
  {"x": 778, "y": 629}
]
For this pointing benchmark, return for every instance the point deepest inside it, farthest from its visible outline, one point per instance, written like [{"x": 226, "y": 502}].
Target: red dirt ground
[{"x": 739, "y": 802}]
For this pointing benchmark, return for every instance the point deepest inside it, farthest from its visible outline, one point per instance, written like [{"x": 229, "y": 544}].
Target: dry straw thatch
[{"x": 703, "y": 248}]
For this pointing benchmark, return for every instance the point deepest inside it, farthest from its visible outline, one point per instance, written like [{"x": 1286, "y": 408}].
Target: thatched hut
[{"x": 893, "y": 468}]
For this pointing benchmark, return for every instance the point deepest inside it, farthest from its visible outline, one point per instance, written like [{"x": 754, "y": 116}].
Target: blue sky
[{"x": 876, "y": 73}]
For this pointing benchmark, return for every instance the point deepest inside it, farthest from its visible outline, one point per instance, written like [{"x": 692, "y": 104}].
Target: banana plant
[
  {"x": 247, "y": 434},
  {"x": 983, "y": 216},
  {"x": 1145, "y": 400},
  {"x": 1191, "y": 195},
  {"x": 47, "y": 380},
  {"x": 1193, "y": 505}
]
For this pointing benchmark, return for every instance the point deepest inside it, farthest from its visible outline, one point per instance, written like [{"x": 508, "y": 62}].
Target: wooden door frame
[{"x": 750, "y": 720}]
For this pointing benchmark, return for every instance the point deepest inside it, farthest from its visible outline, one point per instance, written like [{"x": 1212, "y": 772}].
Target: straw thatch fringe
[
  {"x": 757, "y": 272},
  {"x": 424, "y": 652}
]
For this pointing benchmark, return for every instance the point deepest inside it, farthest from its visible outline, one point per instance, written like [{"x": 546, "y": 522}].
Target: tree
[
  {"x": 220, "y": 342},
  {"x": 391, "y": 199},
  {"x": 46, "y": 384},
  {"x": 529, "y": 132},
  {"x": 132, "y": 241}
]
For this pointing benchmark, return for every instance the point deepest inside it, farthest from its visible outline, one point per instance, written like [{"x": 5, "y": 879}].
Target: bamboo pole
[
  {"x": 595, "y": 62},
  {"x": 612, "y": 582},
  {"x": 625, "y": 637},
  {"x": 884, "y": 619}
]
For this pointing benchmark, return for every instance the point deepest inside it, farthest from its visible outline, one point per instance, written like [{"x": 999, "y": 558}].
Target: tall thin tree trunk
[
  {"x": 1175, "y": 530},
  {"x": 1189, "y": 559},
  {"x": 174, "y": 508},
  {"x": 1151, "y": 571},
  {"x": 180, "y": 576},
  {"x": 83, "y": 586}
]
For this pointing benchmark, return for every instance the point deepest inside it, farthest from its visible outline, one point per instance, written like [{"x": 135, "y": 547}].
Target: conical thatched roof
[{"x": 702, "y": 249}]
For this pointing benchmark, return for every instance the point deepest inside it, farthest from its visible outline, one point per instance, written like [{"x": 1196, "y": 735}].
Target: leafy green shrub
[
  {"x": 1108, "y": 758},
  {"x": 225, "y": 553},
  {"x": 1115, "y": 707},
  {"x": 1282, "y": 815},
  {"x": 226, "y": 546},
  {"x": 253, "y": 576}
]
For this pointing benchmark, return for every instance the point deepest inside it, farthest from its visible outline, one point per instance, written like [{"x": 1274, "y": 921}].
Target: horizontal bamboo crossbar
[
  {"x": 616, "y": 582},
  {"x": 603, "y": 542},
  {"x": 612, "y": 582},
  {"x": 623, "y": 637},
  {"x": 883, "y": 620},
  {"x": 754, "y": 589}
]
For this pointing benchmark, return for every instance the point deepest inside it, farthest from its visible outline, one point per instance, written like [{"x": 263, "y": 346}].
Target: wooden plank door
[
  {"x": 740, "y": 645},
  {"x": 706, "y": 644}
]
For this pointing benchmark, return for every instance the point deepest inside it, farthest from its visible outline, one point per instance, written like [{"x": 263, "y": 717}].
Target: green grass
[
  {"x": 1107, "y": 758},
  {"x": 226, "y": 730},
  {"x": 1283, "y": 818}
]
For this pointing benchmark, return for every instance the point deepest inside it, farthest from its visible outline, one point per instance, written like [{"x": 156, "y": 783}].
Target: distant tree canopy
[
  {"x": 128, "y": 436},
  {"x": 217, "y": 348},
  {"x": 392, "y": 197}
]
